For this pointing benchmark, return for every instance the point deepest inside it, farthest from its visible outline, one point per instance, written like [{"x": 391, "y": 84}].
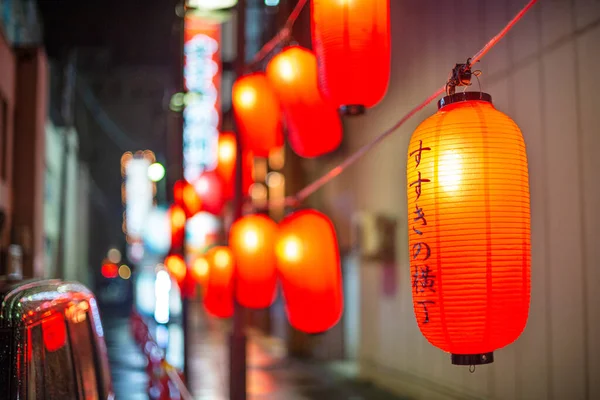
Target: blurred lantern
[
  {"x": 468, "y": 206},
  {"x": 313, "y": 124},
  {"x": 352, "y": 41},
  {"x": 258, "y": 114},
  {"x": 185, "y": 196},
  {"x": 54, "y": 332},
  {"x": 199, "y": 270},
  {"x": 209, "y": 187},
  {"x": 226, "y": 165},
  {"x": 109, "y": 270},
  {"x": 226, "y": 162},
  {"x": 252, "y": 241},
  {"x": 218, "y": 299},
  {"x": 178, "y": 218},
  {"x": 309, "y": 265},
  {"x": 176, "y": 266}
]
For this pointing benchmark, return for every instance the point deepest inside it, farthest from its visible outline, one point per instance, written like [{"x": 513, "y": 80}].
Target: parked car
[{"x": 51, "y": 343}]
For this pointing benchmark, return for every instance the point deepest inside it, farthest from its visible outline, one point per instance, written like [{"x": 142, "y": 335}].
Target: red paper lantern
[
  {"x": 313, "y": 124},
  {"x": 109, "y": 270},
  {"x": 258, "y": 114},
  {"x": 468, "y": 208},
  {"x": 218, "y": 299},
  {"x": 200, "y": 269},
  {"x": 178, "y": 220},
  {"x": 177, "y": 267},
  {"x": 226, "y": 165},
  {"x": 185, "y": 196},
  {"x": 252, "y": 241},
  {"x": 352, "y": 41},
  {"x": 209, "y": 188},
  {"x": 309, "y": 265}
]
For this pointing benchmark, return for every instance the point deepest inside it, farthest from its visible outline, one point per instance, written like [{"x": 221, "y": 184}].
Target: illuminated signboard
[
  {"x": 202, "y": 80},
  {"x": 138, "y": 196}
]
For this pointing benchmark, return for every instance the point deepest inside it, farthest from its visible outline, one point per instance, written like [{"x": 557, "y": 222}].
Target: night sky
[{"x": 137, "y": 32}]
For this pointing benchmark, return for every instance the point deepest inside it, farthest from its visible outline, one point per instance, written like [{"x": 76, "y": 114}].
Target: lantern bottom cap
[
  {"x": 353, "y": 109},
  {"x": 472, "y": 359}
]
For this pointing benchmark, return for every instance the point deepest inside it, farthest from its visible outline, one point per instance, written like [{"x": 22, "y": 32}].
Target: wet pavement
[
  {"x": 127, "y": 363},
  {"x": 271, "y": 375}
]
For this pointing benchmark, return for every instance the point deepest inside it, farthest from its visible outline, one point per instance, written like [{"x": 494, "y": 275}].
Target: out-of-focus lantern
[
  {"x": 177, "y": 267},
  {"x": 252, "y": 241},
  {"x": 352, "y": 41},
  {"x": 226, "y": 165},
  {"x": 258, "y": 114},
  {"x": 209, "y": 188},
  {"x": 226, "y": 162},
  {"x": 218, "y": 299},
  {"x": 313, "y": 124},
  {"x": 200, "y": 269},
  {"x": 178, "y": 219},
  {"x": 109, "y": 270},
  {"x": 469, "y": 228},
  {"x": 309, "y": 266},
  {"x": 185, "y": 196}
]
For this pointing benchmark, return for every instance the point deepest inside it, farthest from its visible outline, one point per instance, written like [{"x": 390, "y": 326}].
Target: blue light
[{"x": 271, "y": 3}]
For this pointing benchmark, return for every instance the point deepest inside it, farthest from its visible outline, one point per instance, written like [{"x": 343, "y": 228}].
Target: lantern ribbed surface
[
  {"x": 309, "y": 266},
  {"x": 469, "y": 227},
  {"x": 313, "y": 124},
  {"x": 252, "y": 241},
  {"x": 352, "y": 41},
  {"x": 258, "y": 114}
]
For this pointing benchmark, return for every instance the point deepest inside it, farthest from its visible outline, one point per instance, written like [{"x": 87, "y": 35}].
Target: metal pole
[
  {"x": 237, "y": 356},
  {"x": 180, "y": 10}
]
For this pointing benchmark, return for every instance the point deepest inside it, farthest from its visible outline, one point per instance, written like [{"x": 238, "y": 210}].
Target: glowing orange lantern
[
  {"x": 177, "y": 267},
  {"x": 313, "y": 124},
  {"x": 218, "y": 299},
  {"x": 309, "y": 265},
  {"x": 226, "y": 165},
  {"x": 252, "y": 241},
  {"x": 185, "y": 196},
  {"x": 468, "y": 207},
  {"x": 258, "y": 114},
  {"x": 199, "y": 270},
  {"x": 178, "y": 219},
  {"x": 352, "y": 41},
  {"x": 209, "y": 187}
]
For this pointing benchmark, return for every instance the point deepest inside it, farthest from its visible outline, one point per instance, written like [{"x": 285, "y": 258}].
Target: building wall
[
  {"x": 543, "y": 75},
  {"x": 29, "y": 157},
  {"x": 7, "y": 96}
]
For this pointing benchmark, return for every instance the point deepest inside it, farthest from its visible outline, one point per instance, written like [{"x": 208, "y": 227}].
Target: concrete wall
[
  {"x": 77, "y": 206},
  {"x": 543, "y": 75}
]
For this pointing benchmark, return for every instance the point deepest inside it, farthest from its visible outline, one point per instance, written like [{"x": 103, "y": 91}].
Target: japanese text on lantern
[
  {"x": 423, "y": 277},
  {"x": 202, "y": 75}
]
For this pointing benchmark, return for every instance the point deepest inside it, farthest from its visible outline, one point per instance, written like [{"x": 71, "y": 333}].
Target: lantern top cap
[{"x": 464, "y": 96}]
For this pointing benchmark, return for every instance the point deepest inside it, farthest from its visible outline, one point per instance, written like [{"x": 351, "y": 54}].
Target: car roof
[{"x": 26, "y": 302}]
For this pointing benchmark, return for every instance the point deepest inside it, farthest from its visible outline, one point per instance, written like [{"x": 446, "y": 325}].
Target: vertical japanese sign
[
  {"x": 138, "y": 196},
  {"x": 202, "y": 81},
  {"x": 423, "y": 275}
]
